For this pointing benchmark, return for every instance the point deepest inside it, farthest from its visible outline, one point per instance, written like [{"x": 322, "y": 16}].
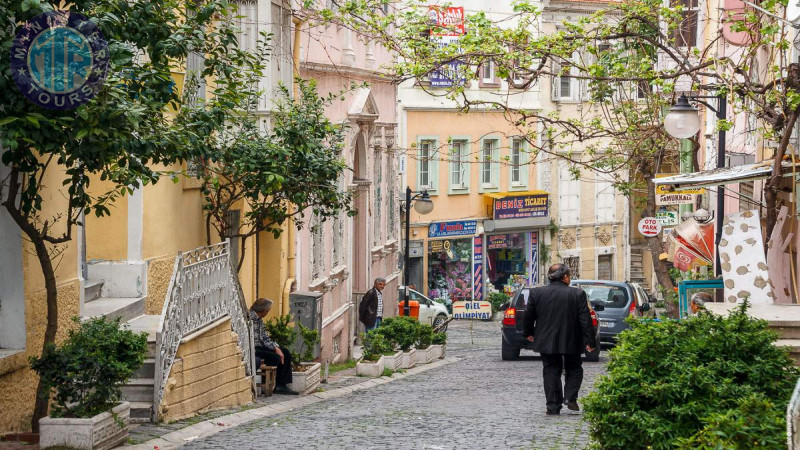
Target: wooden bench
[{"x": 266, "y": 376}]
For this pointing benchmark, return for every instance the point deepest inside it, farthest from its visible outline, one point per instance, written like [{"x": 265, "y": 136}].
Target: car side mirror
[
  {"x": 504, "y": 306},
  {"x": 644, "y": 307},
  {"x": 598, "y": 307}
]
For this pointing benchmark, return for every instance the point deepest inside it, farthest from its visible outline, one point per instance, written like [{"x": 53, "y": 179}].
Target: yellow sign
[{"x": 667, "y": 189}]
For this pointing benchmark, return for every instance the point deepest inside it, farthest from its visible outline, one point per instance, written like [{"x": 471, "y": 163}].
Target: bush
[
  {"x": 424, "y": 336},
  {"x": 375, "y": 345},
  {"x": 439, "y": 338},
  {"x": 87, "y": 370},
  {"x": 497, "y": 299},
  {"x": 401, "y": 331},
  {"x": 310, "y": 338},
  {"x": 280, "y": 331},
  {"x": 705, "y": 382}
]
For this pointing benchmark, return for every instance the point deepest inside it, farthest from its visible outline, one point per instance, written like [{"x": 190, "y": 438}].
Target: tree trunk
[
  {"x": 774, "y": 182},
  {"x": 655, "y": 247}
]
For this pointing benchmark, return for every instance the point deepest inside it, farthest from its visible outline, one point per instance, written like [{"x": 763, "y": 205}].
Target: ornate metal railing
[{"x": 204, "y": 288}]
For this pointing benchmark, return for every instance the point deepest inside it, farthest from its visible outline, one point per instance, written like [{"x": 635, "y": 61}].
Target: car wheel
[
  {"x": 440, "y": 319},
  {"x": 509, "y": 352},
  {"x": 595, "y": 355}
]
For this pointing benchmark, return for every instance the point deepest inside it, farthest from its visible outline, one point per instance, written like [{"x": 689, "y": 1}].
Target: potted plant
[
  {"x": 425, "y": 351},
  {"x": 438, "y": 344},
  {"x": 86, "y": 373},
  {"x": 376, "y": 346},
  {"x": 402, "y": 332},
  {"x": 306, "y": 373}
]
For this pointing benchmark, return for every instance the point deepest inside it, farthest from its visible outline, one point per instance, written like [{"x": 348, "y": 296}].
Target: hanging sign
[
  {"x": 449, "y": 23},
  {"x": 472, "y": 310},
  {"x": 667, "y": 218},
  {"x": 649, "y": 227},
  {"x": 675, "y": 199}
]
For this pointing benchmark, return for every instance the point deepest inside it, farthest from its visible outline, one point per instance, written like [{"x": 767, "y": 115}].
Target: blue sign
[
  {"x": 59, "y": 60},
  {"x": 448, "y": 229},
  {"x": 477, "y": 268}
]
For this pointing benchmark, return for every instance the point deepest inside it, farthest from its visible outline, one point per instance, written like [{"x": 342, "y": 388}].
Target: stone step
[
  {"x": 786, "y": 332},
  {"x": 148, "y": 369},
  {"x": 125, "y": 307},
  {"x": 138, "y": 390},
  {"x": 146, "y": 324},
  {"x": 793, "y": 346},
  {"x": 141, "y": 412},
  {"x": 92, "y": 290}
]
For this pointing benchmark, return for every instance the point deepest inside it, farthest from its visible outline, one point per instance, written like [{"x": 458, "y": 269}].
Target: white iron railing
[
  {"x": 793, "y": 420},
  {"x": 204, "y": 288}
]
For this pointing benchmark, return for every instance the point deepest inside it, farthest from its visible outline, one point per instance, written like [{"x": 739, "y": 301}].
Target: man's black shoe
[
  {"x": 285, "y": 390},
  {"x": 572, "y": 405},
  {"x": 553, "y": 413}
]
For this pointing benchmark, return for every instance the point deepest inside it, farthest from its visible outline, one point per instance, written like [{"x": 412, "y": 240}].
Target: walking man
[
  {"x": 370, "y": 310},
  {"x": 558, "y": 323}
]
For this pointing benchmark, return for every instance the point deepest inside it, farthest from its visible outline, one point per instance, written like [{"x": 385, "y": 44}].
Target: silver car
[
  {"x": 619, "y": 299},
  {"x": 430, "y": 312}
]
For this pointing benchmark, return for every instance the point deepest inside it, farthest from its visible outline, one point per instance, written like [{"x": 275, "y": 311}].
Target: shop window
[
  {"x": 574, "y": 264},
  {"x": 507, "y": 263},
  {"x": 450, "y": 269},
  {"x": 459, "y": 165},
  {"x": 489, "y": 166},
  {"x": 568, "y": 195}
]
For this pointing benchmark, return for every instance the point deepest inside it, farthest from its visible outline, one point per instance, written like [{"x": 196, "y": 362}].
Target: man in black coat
[
  {"x": 558, "y": 323},
  {"x": 370, "y": 310}
]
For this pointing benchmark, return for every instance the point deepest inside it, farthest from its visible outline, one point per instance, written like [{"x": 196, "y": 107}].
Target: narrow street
[{"x": 477, "y": 402}]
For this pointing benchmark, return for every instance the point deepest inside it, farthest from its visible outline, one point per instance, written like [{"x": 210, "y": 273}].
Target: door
[{"x": 605, "y": 267}]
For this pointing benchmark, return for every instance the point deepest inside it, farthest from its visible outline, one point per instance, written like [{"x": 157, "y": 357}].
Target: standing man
[
  {"x": 558, "y": 323},
  {"x": 370, "y": 310}
]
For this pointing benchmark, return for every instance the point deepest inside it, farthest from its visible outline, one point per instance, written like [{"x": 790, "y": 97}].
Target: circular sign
[
  {"x": 59, "y": 60},
  {"x": 649, "y": 227}
]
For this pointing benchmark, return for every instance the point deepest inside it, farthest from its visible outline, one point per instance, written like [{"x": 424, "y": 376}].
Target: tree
[
  {"x": 633, "y": 56},
  {"x": 118, "y": 137}
]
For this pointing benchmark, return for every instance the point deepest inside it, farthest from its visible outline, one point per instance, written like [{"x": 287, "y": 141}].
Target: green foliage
[
  {"x": 375, "y": 345},
  {"x": 497, "y": 299},
  {"x": 401, "y": 331},
  {"x": 310, "y": 338},
  {"x": 439, "y": 338},
  {"x": 424, "y": 336},
  {"x": 281, "y": 331},
  {"x": 338, "y": 367},
  {"x": 705, "y": 382},
  {"x": 387, "y": 372},
  {"x": 87, "y": 370}
]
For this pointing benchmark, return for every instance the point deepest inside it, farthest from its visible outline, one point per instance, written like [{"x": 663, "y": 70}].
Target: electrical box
[{"x": 306, "y": 309}]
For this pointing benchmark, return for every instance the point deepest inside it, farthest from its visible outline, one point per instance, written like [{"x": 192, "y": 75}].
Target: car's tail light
[
  {"x": 594, "y": 317},
  {"x": 633, "y": 308},
  {"x": 510, "y": 317}
]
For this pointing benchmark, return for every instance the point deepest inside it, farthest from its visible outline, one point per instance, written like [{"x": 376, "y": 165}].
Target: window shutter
[{"x": 555, "y": 84}]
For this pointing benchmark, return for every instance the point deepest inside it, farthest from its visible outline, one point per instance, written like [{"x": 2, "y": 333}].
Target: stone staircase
[
  {"x": 783, "y": 320},
  {"x": 637, "y": 268}
]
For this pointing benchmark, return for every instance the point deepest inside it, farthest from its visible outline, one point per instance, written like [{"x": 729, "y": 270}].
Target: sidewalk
[{"x": 150, "y": 436}]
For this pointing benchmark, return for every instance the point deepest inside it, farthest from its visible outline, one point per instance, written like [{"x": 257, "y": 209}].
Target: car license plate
[{"x": 606, "y": 324}]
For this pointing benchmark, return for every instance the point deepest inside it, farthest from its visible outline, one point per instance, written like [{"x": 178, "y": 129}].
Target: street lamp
[
  {"x": 683, "y": 122},
  {"x": 422, "y": 205}
]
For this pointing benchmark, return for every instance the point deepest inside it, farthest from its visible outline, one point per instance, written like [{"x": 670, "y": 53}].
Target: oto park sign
[{"x": 649, "y": 227}]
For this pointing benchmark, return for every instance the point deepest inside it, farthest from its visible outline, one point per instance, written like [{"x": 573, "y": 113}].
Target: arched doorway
[{"x": 360, "y": 238}]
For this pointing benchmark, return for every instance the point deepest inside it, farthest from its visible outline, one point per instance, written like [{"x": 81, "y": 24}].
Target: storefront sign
[
  {"x": 667, "y": 218},
  {"x": 477, "y": 268},
  {"x": 497, "y": 241},
  {"x": 649, "y": 227},
  {"x": 521, "y": 207},
  {"x": 534, "y": 268},
  {"x": 447, "y": 229},
  {"x": 667, "y": 189},
  {"x": 472, "y": 310},
  {"x": 675, "y": 199}
]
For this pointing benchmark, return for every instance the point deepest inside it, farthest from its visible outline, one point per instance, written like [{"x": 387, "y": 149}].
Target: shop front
[
  {"x": 451, "y": 260},
  {"x": 512, "y": 240}
]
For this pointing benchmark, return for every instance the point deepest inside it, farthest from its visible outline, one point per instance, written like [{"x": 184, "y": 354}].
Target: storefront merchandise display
[{"x": 450, "y": 269}]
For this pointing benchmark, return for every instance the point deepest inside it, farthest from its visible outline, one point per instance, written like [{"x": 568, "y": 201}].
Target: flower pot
[
  {"x": 394, "y": 362},
  {"x": 371, "y": 369},
  {"x": 409, "y": 359},
  {"x": 426, "y": 355},
  {"x": 438, "y": 350},
  {"x": 307, "y": 381},
  {"x": 95, "y": 433}
]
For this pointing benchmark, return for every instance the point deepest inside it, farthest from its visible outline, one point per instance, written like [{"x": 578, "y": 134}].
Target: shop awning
[{"x": 724, "y": 175}]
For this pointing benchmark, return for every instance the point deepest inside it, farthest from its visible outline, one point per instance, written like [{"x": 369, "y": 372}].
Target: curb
[{"x": 210, "y": 427}]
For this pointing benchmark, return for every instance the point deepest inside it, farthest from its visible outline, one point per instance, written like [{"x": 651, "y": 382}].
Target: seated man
[
  {"x": 698, "y": 302},
  {"x": 269, "y": 352}
]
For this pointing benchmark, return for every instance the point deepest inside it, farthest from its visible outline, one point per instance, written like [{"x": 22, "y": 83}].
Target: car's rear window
[
  {"x": 522, "y": 299},
  {"x": 608, "y": 296}
]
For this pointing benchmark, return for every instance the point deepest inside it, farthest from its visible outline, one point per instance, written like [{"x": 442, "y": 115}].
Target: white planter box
[
  {"x": 97, "y": 433},
  {"x": 409, "y": 359},
  {"x": 371, "y": 369},
  {"x": 438, "y": 351},
  {"x": 425, "y": 356},
  {"x": 394, "y": 362},
  {"x": 306, "y": 382}
]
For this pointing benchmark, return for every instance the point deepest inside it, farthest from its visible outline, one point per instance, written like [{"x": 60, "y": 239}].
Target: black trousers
[
  {"x": 553, "y": 365},
  {"x": 283, "y": 375}
]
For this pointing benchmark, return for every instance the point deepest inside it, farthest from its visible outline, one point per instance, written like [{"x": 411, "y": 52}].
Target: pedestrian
[
  {"x": 558, "y": 323},
  {"x": 698, "y": 302},
  {"x": 370, "y": 310},
  {"x": 269, "y": 351}
]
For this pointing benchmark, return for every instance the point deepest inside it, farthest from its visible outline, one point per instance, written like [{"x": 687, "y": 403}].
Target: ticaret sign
[{"x": 521, "y": 207}]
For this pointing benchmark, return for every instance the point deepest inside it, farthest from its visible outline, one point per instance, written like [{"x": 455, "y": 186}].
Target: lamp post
[
  {"x": 683, "y": 122},
  {"x": 422, "y": 205}
]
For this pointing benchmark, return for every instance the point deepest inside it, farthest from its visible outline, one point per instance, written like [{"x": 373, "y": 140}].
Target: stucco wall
[
  {"x": 208, "y": 374},
  {"x": 107, "y": 237},
  {"x": 17, "y": 382},
  {"x": 159, "y": 272}
]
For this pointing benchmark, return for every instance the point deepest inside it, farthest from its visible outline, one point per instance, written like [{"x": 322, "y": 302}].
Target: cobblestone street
[{"x": 477, "y": 402}]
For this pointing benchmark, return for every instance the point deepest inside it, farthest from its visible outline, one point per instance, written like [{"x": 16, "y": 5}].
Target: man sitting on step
[{"x": 268, "y": 351}]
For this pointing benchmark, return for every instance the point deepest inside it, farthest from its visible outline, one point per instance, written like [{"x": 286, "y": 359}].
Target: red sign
[{"x": 451, "y": 19}]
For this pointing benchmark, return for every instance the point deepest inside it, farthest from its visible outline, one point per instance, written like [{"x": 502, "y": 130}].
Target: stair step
[
  {"x": 125, "y": 307},
  {"x": 141, "y": 412},
  {"x": 146, "y": 324},
  {"x": 138, "y": 390},
  {"x": 148, "y": 369},
  {"x": 92, "y": 290}
]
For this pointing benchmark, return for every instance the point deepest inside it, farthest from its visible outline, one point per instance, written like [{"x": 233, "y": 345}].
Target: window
[
  {"x": 574, "y": 264},
  {"x": 488, "y": 164},
  {"x": 643, "y": 89},
  {"x": 685, "y": 34},
  {"x": 391, "y": 184},
  {"x": 247, "y": 25},
  {"x": 516, "y": 161},
  {"x": 378, "y": 197},
  {"x": 605, "y": 267},
  {"x": 568, "y": 195},
  {"x": 426, "y": 171},
  {"x": 488, "y": 75},
  {"x": 564, "y": 84},
  {"x": 605, "y": 200},
  {"x": 232, "y": 225},
  {"x": 318, "y": 248},
  {"x": 459, "y": 164}
]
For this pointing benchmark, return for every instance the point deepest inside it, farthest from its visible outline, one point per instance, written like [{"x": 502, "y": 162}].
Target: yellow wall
[
  {"x": 107, "y": 237},
  {"x": 208, "y": 374}
]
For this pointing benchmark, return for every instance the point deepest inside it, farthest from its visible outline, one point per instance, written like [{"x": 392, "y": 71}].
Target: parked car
[
  {"x": 514, "y": 313},
  {"x": 430, "y": 312},
  {"x": 619, "y": 299}
]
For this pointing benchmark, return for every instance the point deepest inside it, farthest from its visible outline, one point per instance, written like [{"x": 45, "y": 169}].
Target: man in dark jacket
[
  {"x": 370, "y": 310},
  {"x": 558, "y": 323}
]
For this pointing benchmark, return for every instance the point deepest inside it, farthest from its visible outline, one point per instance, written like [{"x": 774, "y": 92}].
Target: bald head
[{"x": 557, "y": 272}]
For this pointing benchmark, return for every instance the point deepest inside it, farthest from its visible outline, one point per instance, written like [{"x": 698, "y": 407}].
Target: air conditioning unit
[{"x": 306, "y": 309}]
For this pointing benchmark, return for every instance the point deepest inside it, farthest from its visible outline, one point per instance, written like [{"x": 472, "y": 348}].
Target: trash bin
[{"x": 413, "y": 306}]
